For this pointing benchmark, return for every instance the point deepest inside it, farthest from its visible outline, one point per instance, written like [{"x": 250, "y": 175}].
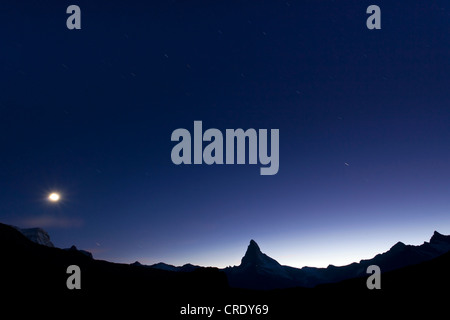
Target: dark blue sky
[{"x": 364, "y": 120}]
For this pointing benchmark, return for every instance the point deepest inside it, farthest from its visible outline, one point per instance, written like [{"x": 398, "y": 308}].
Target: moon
[{"x": 54, "y": 197}]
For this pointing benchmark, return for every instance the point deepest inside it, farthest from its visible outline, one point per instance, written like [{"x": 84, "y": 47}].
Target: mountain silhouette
[
  {"x": 254, "y": 257},
  {"x": 35, "y": 275},
  {"x": 37, "y": 235},
  {"x": 168, "y": 267},
  {"x": 30, "y": 269},
  {"x": 259, "y": 271}
]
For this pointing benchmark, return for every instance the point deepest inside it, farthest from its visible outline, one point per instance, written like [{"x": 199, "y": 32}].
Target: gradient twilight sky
[{"x": 364, "y": 120}]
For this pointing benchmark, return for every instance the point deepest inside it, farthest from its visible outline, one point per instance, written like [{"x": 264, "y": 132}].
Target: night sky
[{"x": 363, "y": 116}]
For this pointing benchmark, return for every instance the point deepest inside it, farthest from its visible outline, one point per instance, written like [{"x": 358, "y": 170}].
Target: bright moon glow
[{"x": 54, "y": 197}]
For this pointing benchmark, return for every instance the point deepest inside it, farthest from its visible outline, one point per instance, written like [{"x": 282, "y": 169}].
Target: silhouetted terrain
[
  {"x": 259, "y": 271},
  {"x": 34, "y": 280}
]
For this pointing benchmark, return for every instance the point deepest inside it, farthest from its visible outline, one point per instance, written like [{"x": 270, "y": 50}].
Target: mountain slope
[
  {"x": 34, "y": 278},
  {"x": 37, "y": 235},
  {"x": 258, "y": 271},
  {"x": 30, "y": 270}
]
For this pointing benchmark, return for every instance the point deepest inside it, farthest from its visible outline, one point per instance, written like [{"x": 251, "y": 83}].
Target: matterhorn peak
[
  {"x": 253, "y": 255},
  {"x": 253, "y": 246}
]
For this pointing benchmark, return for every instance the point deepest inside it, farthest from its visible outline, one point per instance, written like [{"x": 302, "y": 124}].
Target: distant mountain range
[
  {"x": 259, "y": 271},
  {"x": 35, "y": 274}
]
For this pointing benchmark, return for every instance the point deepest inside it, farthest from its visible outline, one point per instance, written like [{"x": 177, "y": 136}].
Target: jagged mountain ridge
[
  {"x": 259, "y": 271},
  {"x": 35, "y": 276}
]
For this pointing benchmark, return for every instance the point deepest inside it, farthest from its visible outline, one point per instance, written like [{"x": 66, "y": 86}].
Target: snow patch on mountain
[{"x": 37, "y": 235}]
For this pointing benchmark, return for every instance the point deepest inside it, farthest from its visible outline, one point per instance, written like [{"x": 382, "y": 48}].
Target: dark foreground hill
[
  {"x": 33, "y": 281},
  {"x": 30, "y": 269}
]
